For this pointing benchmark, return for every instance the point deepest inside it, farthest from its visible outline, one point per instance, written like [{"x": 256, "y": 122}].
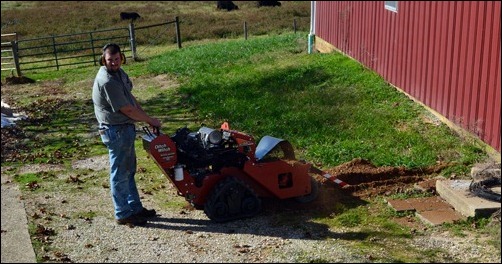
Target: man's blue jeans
[{"x": 119, "y": 139}]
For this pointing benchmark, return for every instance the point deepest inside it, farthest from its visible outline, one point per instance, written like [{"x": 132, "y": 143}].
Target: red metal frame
[{"x": 276, "y": 178}]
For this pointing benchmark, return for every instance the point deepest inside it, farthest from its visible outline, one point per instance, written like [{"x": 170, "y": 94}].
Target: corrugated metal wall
[{"x": 445, "y": 54}]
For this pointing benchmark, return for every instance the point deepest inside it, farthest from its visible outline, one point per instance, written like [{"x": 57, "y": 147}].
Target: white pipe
[
  {"x": 312, "y": 17},
  {"x": 311, "y": 37}
]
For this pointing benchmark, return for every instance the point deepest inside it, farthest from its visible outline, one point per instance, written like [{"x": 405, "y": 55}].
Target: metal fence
[
  {"x": 10, "y": 61},
  {"x": 72, "y": 49}
]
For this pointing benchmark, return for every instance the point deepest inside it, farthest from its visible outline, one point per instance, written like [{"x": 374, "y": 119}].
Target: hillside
[{"x": 199, "y": 19}]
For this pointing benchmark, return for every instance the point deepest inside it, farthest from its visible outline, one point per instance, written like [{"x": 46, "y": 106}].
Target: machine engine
[{"x": 207, "y": 150}]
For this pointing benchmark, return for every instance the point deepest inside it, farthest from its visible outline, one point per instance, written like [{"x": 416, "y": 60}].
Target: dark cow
[
  {"x": 268, "y": 3},
  {"x": 228, "y": 5},
  {"x": 132, "y": 16}
]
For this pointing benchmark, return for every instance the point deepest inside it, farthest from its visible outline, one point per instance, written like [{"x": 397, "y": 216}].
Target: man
[{"x": 117, "y": 110}]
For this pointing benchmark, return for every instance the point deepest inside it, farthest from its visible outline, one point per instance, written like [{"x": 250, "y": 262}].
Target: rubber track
[{"x": 228, "y": 195}]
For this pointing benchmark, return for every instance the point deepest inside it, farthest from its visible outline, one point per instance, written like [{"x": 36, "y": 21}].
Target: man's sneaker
[
  {"x": 147, "y": 213},
  {"x": 132, "y": 220}
]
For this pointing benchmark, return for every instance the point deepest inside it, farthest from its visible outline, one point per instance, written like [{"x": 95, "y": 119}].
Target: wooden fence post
[
  {"x": 178, "y": 35},
  {"x": 15, "y": 55},
  {"x": 132, "y": 40},
  {"x": 245, "y": 30},
  {"x": 294, "y": 25}
]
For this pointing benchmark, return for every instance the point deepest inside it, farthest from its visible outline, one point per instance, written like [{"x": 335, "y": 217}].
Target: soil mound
[{"x": 18, "y": 80}]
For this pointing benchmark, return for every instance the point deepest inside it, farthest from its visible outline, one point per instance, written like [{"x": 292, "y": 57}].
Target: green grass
[
  {"x": 27, "y": 180},
  {"x": 330, "y": 107}
]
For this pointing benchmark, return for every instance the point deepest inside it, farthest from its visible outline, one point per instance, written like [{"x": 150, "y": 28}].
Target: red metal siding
[{"x": 445, "y": 54}]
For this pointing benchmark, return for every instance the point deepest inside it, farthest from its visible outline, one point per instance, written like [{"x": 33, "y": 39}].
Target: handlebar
[{"x": 155, "y": 130}]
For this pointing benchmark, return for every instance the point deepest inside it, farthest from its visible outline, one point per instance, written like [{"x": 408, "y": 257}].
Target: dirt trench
[{"x": 363, "y": 179}]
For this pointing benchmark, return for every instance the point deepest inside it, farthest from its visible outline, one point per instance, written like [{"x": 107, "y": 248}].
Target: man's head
[{"x": 112, "y": 57}]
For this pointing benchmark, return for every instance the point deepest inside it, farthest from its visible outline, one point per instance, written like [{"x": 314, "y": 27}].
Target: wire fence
[
  {"x": 67, "y": 50},
  {"x": 71, "y": 49}
]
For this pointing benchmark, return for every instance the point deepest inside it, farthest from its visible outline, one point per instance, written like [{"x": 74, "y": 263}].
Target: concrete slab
[
  {"x": 437, "y": 217},
  {"x": 429, "y": 203},
  {"x": 419, "y": 204},
  {"x": 430, "y": 210},
  {"x": 16, "y": 242},
  {"x": 456, "y": 193},
  {"x": 400, "y": 205}
]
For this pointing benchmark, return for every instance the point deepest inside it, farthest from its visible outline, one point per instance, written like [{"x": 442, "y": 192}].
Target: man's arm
[
  {"x": 138, "y": 114},
  {"x": 137, "y": 103}
]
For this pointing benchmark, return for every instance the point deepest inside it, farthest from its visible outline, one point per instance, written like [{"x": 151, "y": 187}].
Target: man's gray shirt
[{"x": 110, "y": 92}]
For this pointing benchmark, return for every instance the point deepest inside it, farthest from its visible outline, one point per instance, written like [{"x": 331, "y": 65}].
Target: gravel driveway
[{"x": 281, "y": 233}]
